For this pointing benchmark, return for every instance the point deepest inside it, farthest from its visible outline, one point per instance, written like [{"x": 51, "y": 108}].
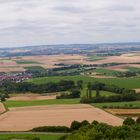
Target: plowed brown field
[{"x": 21, "y": 119}]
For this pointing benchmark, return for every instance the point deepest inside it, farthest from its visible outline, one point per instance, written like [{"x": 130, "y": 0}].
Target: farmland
[
  {"x": 95, "y": 58},
  {"x": 14, "y": 103},
  {"x": 30, "y": 136},
  {"x": 28, "y": 110},
  {"x": 106, "y": 72},
  {"x": 130, "y": 83},
  {"x": 118, "y": 104},
  {"x": 52, "y": 116},
  {"x": 19, "y": 63},
  {"x": 36, "y": 100},
  {"x": 125, "y": 112}
]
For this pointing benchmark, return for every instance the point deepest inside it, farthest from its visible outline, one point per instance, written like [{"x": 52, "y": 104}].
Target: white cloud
[{"x": 27, "y": 22}]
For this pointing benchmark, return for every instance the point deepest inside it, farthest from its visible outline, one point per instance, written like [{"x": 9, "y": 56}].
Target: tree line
[
  {"x": 122, "y": 93},
  {"x": 24, "y": 87},
  {"x": 96, "y": 131}
]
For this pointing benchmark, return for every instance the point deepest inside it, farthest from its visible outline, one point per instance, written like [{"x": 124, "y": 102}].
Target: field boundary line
[
  {"x": 108, "y": 112},
  {"x": 5, "y": 108}
]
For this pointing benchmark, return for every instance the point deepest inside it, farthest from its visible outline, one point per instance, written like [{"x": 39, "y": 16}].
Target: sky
[{"x": 38, "y": 22}]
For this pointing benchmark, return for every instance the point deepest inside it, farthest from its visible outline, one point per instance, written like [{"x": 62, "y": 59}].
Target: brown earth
[
  {"x": 131, "y": 112},
  {"x": 26, "y": 118},
  {"x": 2, "y": 108},
  {"x": 49, "y": 61},
  {"x": 28, "y": 97},
  {"x": 137, "y": 90},
  {"x": 120, "y": 59}
]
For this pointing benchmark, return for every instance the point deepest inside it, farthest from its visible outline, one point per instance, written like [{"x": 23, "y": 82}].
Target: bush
[
  {"x": 36, "y": 139},
  {"x": 75, "y": 125},
  {"x": 138, "y": 120},
  {"x": 103, "y": 131},
  {"x": 95, "y": 122},
  {"x": 129, "y": 121},
  {"x": 60, "y": 129},
  {"x": 84, "y": 123},
  {"x": 75, "y": 93}
]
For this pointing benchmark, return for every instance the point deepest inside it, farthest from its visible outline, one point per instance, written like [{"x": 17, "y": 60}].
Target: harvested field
[
  {"x": 120, "y": 59},
  {"x": 125, "y": 112},
  {"x": 26, "y": 118},
  {"x": 12, "y": 69},
  {"x": 54, "y": 59},
  {"x": 137, "y": 90},
  {"x": 8, "y": 65},
  {"x": 49, "y": 61},
  {"x": 28, "y": 97},
  {"x": 98, "y": 76},
  {"x": 2, "y": 108}
]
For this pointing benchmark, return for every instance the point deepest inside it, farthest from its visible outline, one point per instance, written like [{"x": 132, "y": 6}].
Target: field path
[
  {"x": 2, "y": 108},
  {"x": 26, "y": 118}
]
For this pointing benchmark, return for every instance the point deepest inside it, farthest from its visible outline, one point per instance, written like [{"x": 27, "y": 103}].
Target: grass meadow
[
  {"x": 30, "y": 136},
  {"x": 129, "y": 83}
]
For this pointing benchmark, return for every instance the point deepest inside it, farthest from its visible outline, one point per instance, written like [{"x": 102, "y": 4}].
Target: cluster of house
[{"x": 14, "y": 77}]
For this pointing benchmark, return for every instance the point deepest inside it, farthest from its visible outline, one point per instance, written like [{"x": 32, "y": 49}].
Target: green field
[
  {"x": 105, "y": 72},
  {"x": 132, "y": 69},
  {"x": 102, "y": 93},
  {"x": 116, "y": 104},
  {"x": 130, "y": 83},
  {"x": 53, "y": 101},
  {"x": 29, "y": 136},
  {"x": 26, "y": 62},
  {"x": 95, "y": 58},
  {"x": 41, "y": 102},
  {"x": 35, "y": 68}
]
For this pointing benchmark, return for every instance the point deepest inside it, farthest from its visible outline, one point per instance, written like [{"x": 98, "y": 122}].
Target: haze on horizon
[{"x": 32, "y": 22}]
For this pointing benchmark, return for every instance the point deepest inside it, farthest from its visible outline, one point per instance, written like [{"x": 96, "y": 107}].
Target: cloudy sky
[{"x": 33, "y": 22}]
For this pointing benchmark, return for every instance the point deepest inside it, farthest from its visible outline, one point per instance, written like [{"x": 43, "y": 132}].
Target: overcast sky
[{"x": 32, "y": 22}]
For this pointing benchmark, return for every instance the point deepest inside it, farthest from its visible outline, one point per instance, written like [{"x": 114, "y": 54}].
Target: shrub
[
  {"x": 84, "y": 123},
  {"x": 95, "y": 122},
  {"x": 129, "y": 121},
  {"x": 138, "y": 120},
  {"x": 36, "y": 139},
  {"x": 52, "y": 129},
  {"x": 75, "y": 125}
]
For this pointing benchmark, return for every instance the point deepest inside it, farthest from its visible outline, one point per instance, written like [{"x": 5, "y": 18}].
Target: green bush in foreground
[
  {"x": 101, "y": 131},
  {"x": 36, "y": 138},
  {"x": 60, "y": 129},
  {"x": 130, "y": 130},
  {"x": 129, "y": 121},
  {"x": 138, "y": 120}
]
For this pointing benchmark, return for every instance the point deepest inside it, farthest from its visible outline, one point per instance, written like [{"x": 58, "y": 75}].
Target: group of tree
[
  {"x": 107, "y": 87},
  {"x": 3, "y": 95},
  {"x": 113, "y": 98},
  {"x": 102, "y": 131},
  {"x": 122, "y": 94},
  {"x": 130, "y": 121},
  {"x": 24, "y": 87},
  {"x": 96, "y": 131},
  {"x": 72, "y": 88}
]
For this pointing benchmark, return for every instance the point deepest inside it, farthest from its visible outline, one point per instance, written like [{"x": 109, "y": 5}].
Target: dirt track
[
  {"x": 30, "y": 97},
  {"x": 21, "y": 119},
  {"x": 2, "y": 108}
]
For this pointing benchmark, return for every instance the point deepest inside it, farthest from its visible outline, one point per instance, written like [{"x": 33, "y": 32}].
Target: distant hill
[{"x": 69, "y": 49}]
